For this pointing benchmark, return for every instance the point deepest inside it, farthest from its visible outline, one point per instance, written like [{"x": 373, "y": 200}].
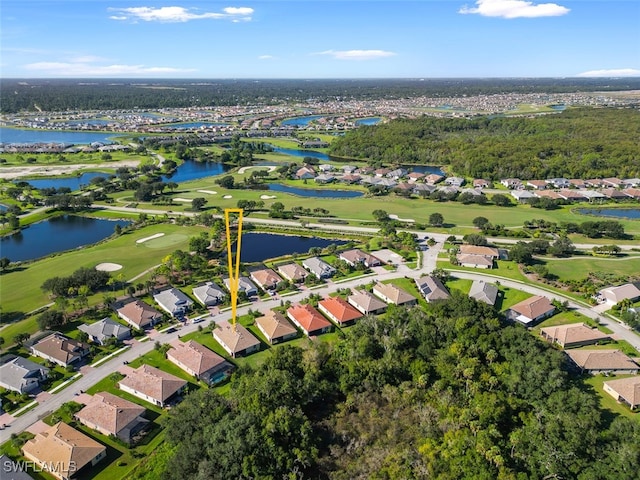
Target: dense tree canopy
[{"x": 451, "y": 392}]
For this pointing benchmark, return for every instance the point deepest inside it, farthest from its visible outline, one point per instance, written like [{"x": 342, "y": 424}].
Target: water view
[
  {"x": 368, "y": 121},
  {"x": 301, "y": 121},
  {"x": 426, "y": 169},
  {"x": 74, "y": 183},
  {"x": 258, "y": 247},
  {"x": 313, "y": 192},
  {"x": 56, "y": 235},
  {"x": 302, "y": 153},
  {"x": 630, "y": 213},
  {"x": 191, "y": 170},
  {"x": 19, "y": 135}
]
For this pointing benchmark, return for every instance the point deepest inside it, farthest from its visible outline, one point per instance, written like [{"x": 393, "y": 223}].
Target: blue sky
[{"x": 318, "y": 38}]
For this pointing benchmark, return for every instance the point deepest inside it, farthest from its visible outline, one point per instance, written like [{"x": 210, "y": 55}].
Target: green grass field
[{"x": 576, "y": 268}]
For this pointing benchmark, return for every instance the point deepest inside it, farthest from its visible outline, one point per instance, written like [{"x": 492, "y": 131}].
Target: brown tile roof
[
  {"x": 62, "y": 348},
  {"x": 109, "y": 412},
  {"x": 339, "y": 309},
  {"x": 153, "y": 382},
  {"x": 307, "y": 318},
  {"x": 63, "y": 446},
  {"x": 395, "y": 294},
  {"x": 471, "y": 259},
  {"x": 275, "y": 325},
  {"x": 548, "y": 194},
  {"x": 621, "y": 292},
  {"x": 139, "y": 313},
  {"x": 366, "y": 301},
  {"x": 479, "y": 250},
  {"x": 627, "y": 388},
  {"x": 266, "y": 277},
  {"x": 358, "y": 256},
  {"x": 602, "y": 360},
  {"x": 573, "y": 333},
  {"x": 237, "y": 340},
  {"x": 533, "y": 307},
  {"x": 196, "y": 357},
  {"x": 293, "y": 272}
]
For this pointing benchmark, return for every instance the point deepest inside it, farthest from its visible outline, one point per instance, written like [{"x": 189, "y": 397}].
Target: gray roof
[
  {"x": 318, "y": 267},
  {"x": 11, "y": 470},
  {"x": 484, "y": 292},
  {"x": 14, "y": 372},
  {"x": 209, "y": 293},
  {"x": 432, "y": 288},
  {"x": 173, "y": 300},
  {"x": 244, "y": 285},
  {"x": 104, "y": 329}
]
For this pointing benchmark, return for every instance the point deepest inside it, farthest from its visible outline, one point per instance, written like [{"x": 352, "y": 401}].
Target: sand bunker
[
  {"x": 395, "y": 217},
  {"x": 267, "y": 197},
  {"x": 269, "y": 168},
  {"x": 181, "y": 199},
  {"x": 228, "y": 196},
  {"x": 108, "y": 267},
  {"x": 145, "y": 239},
  {"x": 208, "y": 192}
]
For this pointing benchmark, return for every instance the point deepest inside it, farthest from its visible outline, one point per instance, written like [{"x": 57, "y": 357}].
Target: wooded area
[
  {"x": 578, "y": 143},
  {"x": 448, "y": 393}
]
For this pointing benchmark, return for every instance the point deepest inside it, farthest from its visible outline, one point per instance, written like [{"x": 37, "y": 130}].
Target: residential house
[
  {"x": 573, "y": 335},
  {"x": 594, "y": 183},
  {"x": 522, "y": 196},
  {"x": 63, "y": 451},
  {"x": 382, "y": 172},
  {"x": 275, "y": 327},
  {"x": 632, "y": 192},
  {"x": 397, "y": 173},
  {"x": 433, "y": 178},
  {"x": 265, "y": 278},
  {"x": 423, "y": 189},
  {"x": 612, "y": 182},
  {"x": 512, "y": 183},
  {"x": 113, "y": 416},
  {"x": 308, "y": 319},
  {"x": 319, "y": 267},
  {"x": 537, "y": 184},
  {"x": 572, "y": 195},
  {"x": 20, "y": 374},
  {"x": 593, "y": 196},
  {"x": 614, "y": 194},
  {"x": 314, "y": 144},
  {"x": 356, "y": 256},
  {"x": 367, "y": 303},
  {"x": 324, "y": 178},
  {"x": 476, "y": 256},
  {"x": 481, "y": 183},
  {"x": 415, "y": 176},
  {"x": 199, "y": 361},
  {"x": 392, "y": 294},
  {"x": 432, "y": 288},
  {"x": 152, "y": 385},
  {"x": 349, "y": 168},
  {"x": 625, "y": 390},
  {"x": 614, "y": 295},
  {"x": 350, "y": 178},
  {"x": 305, "y": 173},
  {"x": 235, "y": 339},
  {"x": 603, "y": 361},
  {"x": 384, "y": 182},
  {"x": 559, "y": 182},
  {"x": 631, "y": 182},
  {"x": 455, "y": 181},
  {"x": 553, "y": 195},
  {"x": 59, "y": 349},
  {"x": 484, "y": 292},
  {"x": 139, "y": 314},
  {"x": 100, "y": 332},
  {"x": 339, "y": 310},
  {"x": 531, "y": 310},
  {"x": 174, "y": 302},
  {"x": 244, "y": 285},
  {"x": 209, "y": 294},
  {"x": 577, "y": 183},
  {"x": 293, "y": 272}
]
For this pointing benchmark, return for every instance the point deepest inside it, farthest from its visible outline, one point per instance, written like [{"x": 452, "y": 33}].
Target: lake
[
  {"x": 630, "y": 213},
  {"x": 368, "y": 121},
  {"x": 258, "y": 247},
  {"x": 426, "y": 169},
  {"x": 300, "y": 121},
  {"x": 56, "y": 235},
  {"x": 194, "y": 125},
  {"x": 301, "y": 153},
  {"x": 314, "y": 192},
  {"x": 20, "y": 135},
  {"x": 74, "y": 183}
]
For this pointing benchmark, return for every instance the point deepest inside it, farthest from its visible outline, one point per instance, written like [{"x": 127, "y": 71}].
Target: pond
[
  {"x": 314, "y": 192},
  {"x": 630, "y": 213},
  {"x": 368, "y": 121},
  {"x": 20, "y": 135},
  {"x": 258, "y": 247},
  {"x": 301, "y": 153},
  {"x": 300, "y": 121},
  {"x": 74, "y": 183},
  {"x": 426, "y": 169},
  {"x": 56, "y": 235}
]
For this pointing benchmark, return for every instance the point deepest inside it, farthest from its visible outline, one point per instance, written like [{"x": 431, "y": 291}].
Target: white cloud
[
  {"x": 514, "y": 9},
  {"x": 356, "y": 54},
  {"x": 614, "y": 72},
  {"x": 86, "y": 69},
  {"x": 180, "y": 14},
  {"x": 266, "y": 57}
]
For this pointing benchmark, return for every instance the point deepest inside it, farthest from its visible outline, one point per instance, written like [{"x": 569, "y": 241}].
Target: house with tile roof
[
  {"x": 20, "y": 374},
  {"x": 308, "y": 319},
  {"x": 318, "y": 267},
  {"x": 173, "y": 301},
  {"x": 152, "y": 385},
  {"x": 474, "y": 261},
  {"x": 275, "y": 327},
  {"x": 63, "y": 451},
  {"x": 139, "y": 314},
  {"x": 236, "y": 341},
  {"x": 625, "y": 390},
  {"x": 531, "y": 310},
  {"x": 100, "y": 332},
  {"x": 613, "y": 295},
  {"x": 389, "y": 293},
  {"x": 339, "y": 310},
  {"x": 209, "y": 294},
  {"x": 484, "y": 292},
  {"x": 112, "y": 415},
  {"x": 265, "y": 278},
  {"x": 356, "y": 256},
  {"x": 491, "y": 252},
  {"x": 432, "y": 288},
  {"x": 293, "y": 272},
  {"x": 199, "y": 361},
  {"x": 603, "y": 361},
  {"x": 60, "y": 349},
  {"x": 367, "y": 303},
  {"x": 573, "y": 335}
]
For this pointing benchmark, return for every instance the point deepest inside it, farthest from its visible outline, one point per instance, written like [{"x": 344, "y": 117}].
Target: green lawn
[
  {"x": 576, "y": 268},
  {"x": 607, "y": 402}
]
